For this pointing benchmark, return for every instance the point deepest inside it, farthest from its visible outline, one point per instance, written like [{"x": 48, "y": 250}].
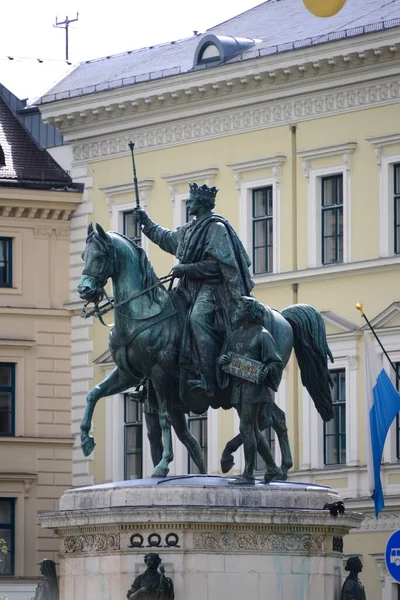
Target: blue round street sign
[{"x": 393, "y": 555}]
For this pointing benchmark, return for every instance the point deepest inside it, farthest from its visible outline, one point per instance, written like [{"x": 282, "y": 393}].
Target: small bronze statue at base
[
  {"x": 48, "y": 588},
  {"x": 352, "y": 588},
  {"x": 152, "y": 584}
]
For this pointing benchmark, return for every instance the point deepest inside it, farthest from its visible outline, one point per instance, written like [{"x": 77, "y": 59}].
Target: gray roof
[
  {"x": 27, "y": 165},
  {"x": 282, "y": 25}
]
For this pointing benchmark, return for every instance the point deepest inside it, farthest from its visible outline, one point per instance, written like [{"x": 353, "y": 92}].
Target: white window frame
[
  {"x": 341, "y": 165},
  {"x": 386, "y": 205},
  {"x": 345, "y": 357},
  {"x": 179, "y": 198},
  {"x": 116, "y": 210},
  {"x": 386, "y": 189},
  {"x": 245, "y": 187}
]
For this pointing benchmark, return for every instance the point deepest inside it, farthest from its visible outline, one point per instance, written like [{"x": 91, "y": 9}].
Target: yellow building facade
[
  {"x": 304, "y": 147},
  {"x": 37, "y": 199}
]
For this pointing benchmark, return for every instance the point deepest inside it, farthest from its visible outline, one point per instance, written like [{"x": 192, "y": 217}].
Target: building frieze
[
  {"x": 385, "y": 522},
  {"x": 29, "y": 212},
  {"x": 240, "y": 120},
  {"x": 239, "y": 84},
  {"x": 262, "y": 542}
]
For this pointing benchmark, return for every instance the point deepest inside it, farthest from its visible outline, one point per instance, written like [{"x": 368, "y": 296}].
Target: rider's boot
[{"x": 202, "y": 385}]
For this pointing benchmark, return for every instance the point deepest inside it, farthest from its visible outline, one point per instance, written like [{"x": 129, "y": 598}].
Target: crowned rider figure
[{"x": 214, "y": 270}]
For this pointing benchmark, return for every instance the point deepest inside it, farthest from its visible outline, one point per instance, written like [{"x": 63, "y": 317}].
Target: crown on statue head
[{"x": 203, "y": 191}]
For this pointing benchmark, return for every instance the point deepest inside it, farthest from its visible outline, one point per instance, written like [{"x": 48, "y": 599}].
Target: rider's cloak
[{"x": 215, "y": 256}]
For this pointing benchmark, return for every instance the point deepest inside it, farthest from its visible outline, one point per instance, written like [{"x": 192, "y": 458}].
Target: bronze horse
[{"x": 146, "y": 339}]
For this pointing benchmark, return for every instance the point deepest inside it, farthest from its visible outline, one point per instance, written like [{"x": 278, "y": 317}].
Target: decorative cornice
[
  {"x": 240, "y": 120},
  {"x": 340, "y": 322},
  {"x": 345, "y": 150},
  {"x": 144, "y": 188},
  {"x": 385, "y": 522},
  {"x": 199, "y": 91},
  {"x": 381, "y": 142},
  {"x": 327, "y": 151},
  {"x": 333, "y": 271},
  {"x": 202, "y": 175},
  {"x": 274, "y": 162},
  {"x": 25, "y": 478},
  {"x": 384, "y": 317},
  {"x": 29, "y": 212},
  {"x": 17, "y": 343}
]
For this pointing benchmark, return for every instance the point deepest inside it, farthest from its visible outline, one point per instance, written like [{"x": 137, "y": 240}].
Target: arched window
[
  {"x": 209, "y": 53},
  {"x": 217, "y": 49},
  {"x": 2, "y": 158}
]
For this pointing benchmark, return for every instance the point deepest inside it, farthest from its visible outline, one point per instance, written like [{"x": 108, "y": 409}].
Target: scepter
[{"x": 135, "y": 182}]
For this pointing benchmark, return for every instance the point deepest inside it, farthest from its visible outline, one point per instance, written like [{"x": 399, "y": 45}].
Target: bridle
[{"x": 101, "y": 278}]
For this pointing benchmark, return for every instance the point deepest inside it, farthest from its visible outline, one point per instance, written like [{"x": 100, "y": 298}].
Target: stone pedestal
[{"x": 215, "y": 540}]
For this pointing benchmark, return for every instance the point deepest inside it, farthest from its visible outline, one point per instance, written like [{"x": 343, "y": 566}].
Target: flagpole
[{"x": 360, "y": 307}]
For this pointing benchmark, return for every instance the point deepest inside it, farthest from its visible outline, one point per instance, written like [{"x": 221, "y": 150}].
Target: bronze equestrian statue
[{"x": 169, "y": 337}]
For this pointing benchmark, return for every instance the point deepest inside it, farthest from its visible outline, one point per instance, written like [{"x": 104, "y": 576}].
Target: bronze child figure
[
  {"x": 251, "y": 340},
  {"x": 152, "y": 584}
]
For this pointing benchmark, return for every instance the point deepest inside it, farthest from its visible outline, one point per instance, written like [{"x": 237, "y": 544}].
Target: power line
[{"x": 65, "y": 25}]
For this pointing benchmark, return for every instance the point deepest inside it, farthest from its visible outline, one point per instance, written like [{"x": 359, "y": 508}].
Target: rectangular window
[
  {"x": 7, "y": 533},
  {"x": 5, "y": 262},
  {"x": 198, "y": 427},
  {"x": 269, "y": 435},
  {"x": 133, "y": 443},
  {"x": 7, "y": 399},
  {"x": 335, "y": 430},
  {"x": 130, "y": 227},
  {"x": 263, "y": 230},
  {"x": 396, "y": 207},
  {"x": 332, "y": 219}
]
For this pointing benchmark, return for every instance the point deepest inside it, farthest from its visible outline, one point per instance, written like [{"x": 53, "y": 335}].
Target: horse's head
[{"x": 99, "y": 264}]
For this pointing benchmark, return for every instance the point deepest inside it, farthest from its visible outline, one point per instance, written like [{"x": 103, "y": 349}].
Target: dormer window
[
  {"x": 209, "y": 53},
  {"x": 2, "y": 158},
  {"x": 217, "y": 49}
]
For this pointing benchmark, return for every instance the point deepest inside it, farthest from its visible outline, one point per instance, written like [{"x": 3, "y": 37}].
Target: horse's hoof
[
  {"x": 280, "y": 476},
  {"x": 160, "y": 472},
  {"x": 242, "y": 480},
  {"x": 275, "y": 476},
  {"x": 227, "y": 463},
  {"x": 88, "y": 445}
]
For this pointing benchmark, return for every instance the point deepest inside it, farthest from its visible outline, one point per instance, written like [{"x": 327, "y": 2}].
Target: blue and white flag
[{"x": 382, "y": 405}]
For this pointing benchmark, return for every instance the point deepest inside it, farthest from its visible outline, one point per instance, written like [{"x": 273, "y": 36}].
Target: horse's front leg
[
  {"x": 163, "y": 394},
  {"x": 115, "y": 383},
  {"x": 185, "y": 436}
]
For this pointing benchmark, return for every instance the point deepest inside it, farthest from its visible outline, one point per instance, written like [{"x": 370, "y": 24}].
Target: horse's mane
[{"x": 149, "y": 277}]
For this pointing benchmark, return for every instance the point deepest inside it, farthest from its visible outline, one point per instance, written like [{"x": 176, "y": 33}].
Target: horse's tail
[{"x": 312, "y": 350}]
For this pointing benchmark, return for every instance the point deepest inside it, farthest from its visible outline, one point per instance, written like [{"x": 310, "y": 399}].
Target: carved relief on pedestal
[
  {"x": 99, "y": 542},
  {"x": 269, "y": 542}
]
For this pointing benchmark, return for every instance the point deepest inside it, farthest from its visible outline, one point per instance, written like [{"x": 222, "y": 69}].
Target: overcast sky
[{"x": 103, "y": 28}]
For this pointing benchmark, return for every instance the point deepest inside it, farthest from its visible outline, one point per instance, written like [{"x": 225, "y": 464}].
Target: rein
[{"x": 99, "y": 310}]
